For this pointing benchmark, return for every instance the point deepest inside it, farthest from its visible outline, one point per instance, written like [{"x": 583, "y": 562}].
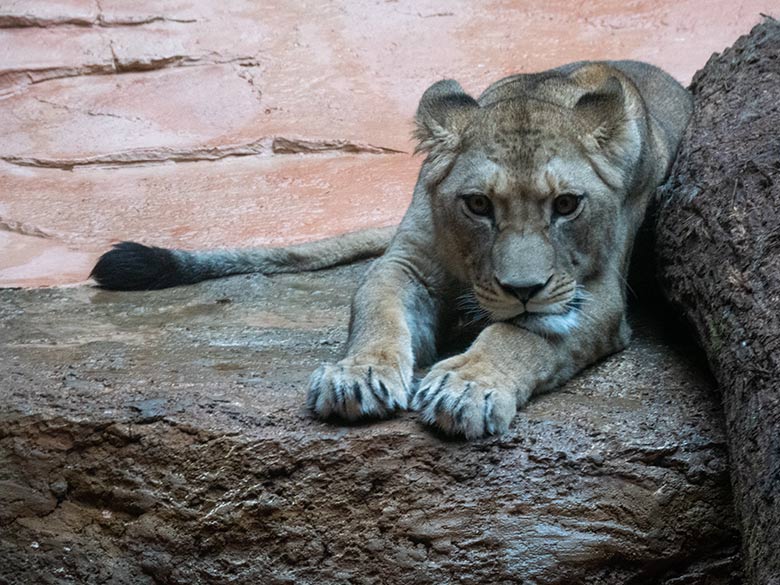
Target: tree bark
[{"x": 718, "y": 245}]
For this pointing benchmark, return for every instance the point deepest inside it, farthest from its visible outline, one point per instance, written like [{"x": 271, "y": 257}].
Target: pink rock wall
[{"x": 201, "y": 124}]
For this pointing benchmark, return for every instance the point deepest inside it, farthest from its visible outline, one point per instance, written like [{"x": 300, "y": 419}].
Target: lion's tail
[{"x": 132, "y": 266}]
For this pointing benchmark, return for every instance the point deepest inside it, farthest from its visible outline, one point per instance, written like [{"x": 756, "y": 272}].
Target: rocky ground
[{"x": 162, "y": 438}]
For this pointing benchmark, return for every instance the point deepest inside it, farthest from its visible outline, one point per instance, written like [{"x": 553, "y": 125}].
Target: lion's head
[{"x": 530, "y": 190}]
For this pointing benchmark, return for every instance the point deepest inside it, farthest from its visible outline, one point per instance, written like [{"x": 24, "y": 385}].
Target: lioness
[{"x": 525, "y": 212}]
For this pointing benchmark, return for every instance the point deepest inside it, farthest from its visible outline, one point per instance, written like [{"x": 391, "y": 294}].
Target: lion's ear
[
  {"x": 444, "y": 112},
  {"x": 603, "y": 112}
]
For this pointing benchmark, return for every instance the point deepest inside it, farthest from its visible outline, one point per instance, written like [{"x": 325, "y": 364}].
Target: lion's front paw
[
  {"x": 353, "y": 392},
  {"x": 460, "y": 404}
]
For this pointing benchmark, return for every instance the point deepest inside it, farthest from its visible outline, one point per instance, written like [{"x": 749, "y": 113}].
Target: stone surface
[
  {"x": 139, "y": 87},
  {"x": 719, "y": 253},
  {"x": 161, "y": 438}
]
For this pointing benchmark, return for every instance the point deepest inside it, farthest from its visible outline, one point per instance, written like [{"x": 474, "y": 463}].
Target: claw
[
  {"x": 352, "y": 392},
  {"x": 463, "y": 407}
]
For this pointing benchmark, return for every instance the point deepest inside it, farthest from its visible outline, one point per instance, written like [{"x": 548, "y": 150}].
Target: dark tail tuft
[{"x": 132, "y": 266}]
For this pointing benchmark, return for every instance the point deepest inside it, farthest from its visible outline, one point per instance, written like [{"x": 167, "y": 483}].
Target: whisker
[
  {"x": 557, "y": 298},
  {"x": 478, "y": 318},
  {"x": 476, "y": 313},
  {"x": 583, "y": 299},
  {"x": 466, "y": 300},
  {"x": 623, "y": 279},
  {"x": 564, "y": 284},
  {"x": 486, "y": 295}
]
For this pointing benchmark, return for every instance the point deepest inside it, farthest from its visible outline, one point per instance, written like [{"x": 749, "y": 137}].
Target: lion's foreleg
[
  {"x": 478, "y": 392},
  {"x": 393, "y": 322}
]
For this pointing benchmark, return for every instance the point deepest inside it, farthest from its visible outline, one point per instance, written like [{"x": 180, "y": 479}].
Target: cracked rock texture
[
  {"x": 161, "y": 438},
  {"x": 198, "y": 124}
]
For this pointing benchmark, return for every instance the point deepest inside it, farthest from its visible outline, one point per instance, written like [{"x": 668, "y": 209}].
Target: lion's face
[{"x": 525, "y": 217}]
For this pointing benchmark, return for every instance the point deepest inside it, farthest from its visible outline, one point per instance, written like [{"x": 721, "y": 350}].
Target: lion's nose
[{"x": 523, "y": 290}]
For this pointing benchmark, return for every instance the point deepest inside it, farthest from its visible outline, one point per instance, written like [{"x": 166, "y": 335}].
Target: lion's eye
[
  {"x": 479, "y": 204},
  {"x": 567, "y": 203}
]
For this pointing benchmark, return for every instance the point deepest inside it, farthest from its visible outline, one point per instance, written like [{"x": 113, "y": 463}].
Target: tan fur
[{"x": 605, "y": 132}]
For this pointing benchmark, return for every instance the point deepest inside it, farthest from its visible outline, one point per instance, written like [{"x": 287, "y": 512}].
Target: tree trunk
[{"x": 718, "y": 244}]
